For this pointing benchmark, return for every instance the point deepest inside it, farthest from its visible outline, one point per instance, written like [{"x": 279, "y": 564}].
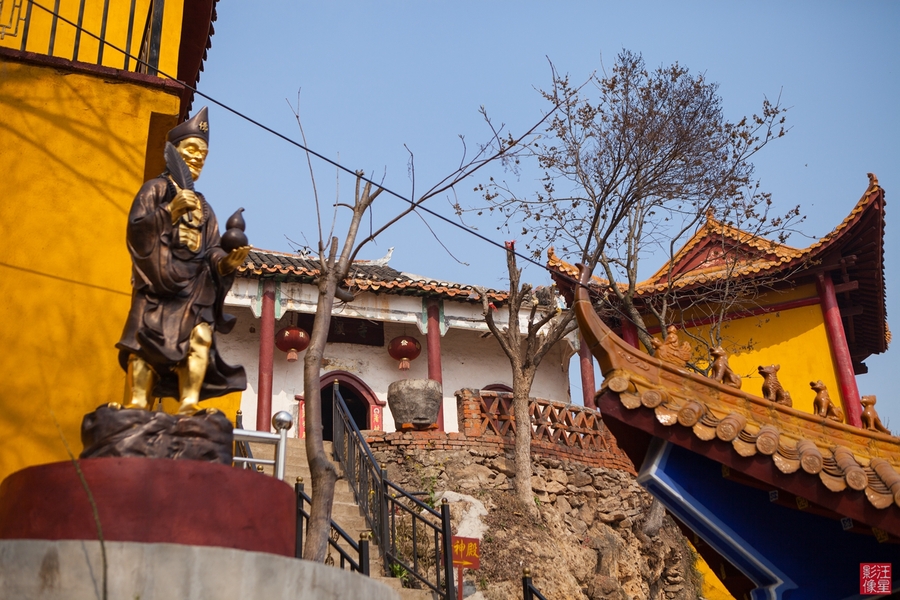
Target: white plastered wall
[{"x": 468, "y": 357}]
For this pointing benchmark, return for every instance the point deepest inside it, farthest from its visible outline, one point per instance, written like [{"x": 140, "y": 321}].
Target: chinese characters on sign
[
  {"x": 466, "y": 552},
  {"x": 466, "y": 555},
  {"x": 874, "y": 578}
]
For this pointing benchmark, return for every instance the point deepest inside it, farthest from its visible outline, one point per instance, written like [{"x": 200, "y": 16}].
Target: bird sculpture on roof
[{"x": 384, "y": 260}]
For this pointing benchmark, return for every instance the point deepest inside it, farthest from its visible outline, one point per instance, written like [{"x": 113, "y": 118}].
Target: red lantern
[
  {"x": 292, "y": 340},
  {"x": 404, "y": 348}
]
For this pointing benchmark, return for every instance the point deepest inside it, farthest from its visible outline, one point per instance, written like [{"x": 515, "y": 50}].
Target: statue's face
[{"x": 193, "y": 150}]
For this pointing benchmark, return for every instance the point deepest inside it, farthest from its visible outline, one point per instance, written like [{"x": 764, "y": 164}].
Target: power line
[
  {"x": 294, "y": 142},
  {"x": 301, "y": 146}
]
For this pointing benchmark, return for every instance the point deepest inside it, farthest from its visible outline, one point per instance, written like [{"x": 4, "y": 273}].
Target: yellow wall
[
  {"x": 73, "y": 156},
  {"x": 41, "y": 24},
  {"x": 795, "y": 339},
  {"x": 711, "y": 587}
]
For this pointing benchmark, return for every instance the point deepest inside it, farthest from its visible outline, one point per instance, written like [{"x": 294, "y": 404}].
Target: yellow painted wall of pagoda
[
  {"x": 74, "y": 155},
  {"x": 796, "y": 339},
  {"x": 76, "y": 148},
  {"x": 37, "y": 30}
]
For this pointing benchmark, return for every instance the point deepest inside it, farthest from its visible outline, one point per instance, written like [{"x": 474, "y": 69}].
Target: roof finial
[{"x": 873, "y": 181}]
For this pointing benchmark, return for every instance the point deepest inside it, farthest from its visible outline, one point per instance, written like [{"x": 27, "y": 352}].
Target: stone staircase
[{"x": 345, "y": 511}]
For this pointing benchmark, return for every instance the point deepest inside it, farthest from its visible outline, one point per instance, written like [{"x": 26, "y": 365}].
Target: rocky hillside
[{"x": 594, "y": 537}]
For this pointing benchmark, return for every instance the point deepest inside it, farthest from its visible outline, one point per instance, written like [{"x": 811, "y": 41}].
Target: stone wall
[{"x": 595, "y": 539}]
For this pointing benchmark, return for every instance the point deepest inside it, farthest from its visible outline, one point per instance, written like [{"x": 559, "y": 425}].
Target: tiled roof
[
  {"x": 196, "y": 39},
  {"x": 825, "y": 461},
  {"x": 860, "y": 236},
  {"x": 782, "y": 254},
  {"x": 366, "y": 276},
  {"x": 844, "y": 458},
  {"x": 715, "y": 229}
]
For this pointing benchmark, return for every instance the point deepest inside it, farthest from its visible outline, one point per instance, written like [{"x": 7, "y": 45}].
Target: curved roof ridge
[
  {"x": 364, "y": 275},
  {"x": 786, "y": 254},
  {"x": 871, "y": 192}
]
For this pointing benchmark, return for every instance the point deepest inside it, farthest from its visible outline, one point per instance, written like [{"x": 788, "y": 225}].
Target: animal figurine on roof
[
  {"x": 870, "y": 418},
  {"x": 771, "y": 387},
  {"x": 823, "y": 405},
  {"x": 671, "y": 350},
  {"x": 721, "y": 371}
]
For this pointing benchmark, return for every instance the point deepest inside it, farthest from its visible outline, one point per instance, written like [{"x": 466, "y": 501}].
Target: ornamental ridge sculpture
[
  {"x": 671, "y": 349},
  {"x": 180, "y": 275},
  {"x": 823, "y": 406}
]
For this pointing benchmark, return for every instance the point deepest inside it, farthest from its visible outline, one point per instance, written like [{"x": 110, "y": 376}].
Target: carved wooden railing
[{"x": 551, "y": 421}]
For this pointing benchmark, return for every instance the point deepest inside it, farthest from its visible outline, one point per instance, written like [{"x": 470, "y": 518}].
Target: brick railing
[{"x": 486, "y": 423}]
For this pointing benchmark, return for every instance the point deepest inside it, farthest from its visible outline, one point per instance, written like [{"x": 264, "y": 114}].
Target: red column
[
  {"x": 834, "y": 326},
  {"x": 433, "y": 348},
  {"x": 266, "y": 351},
  {"x": 586, "y": 361},
  {"x": 629, "y": 333},
  {"x": 301, "y": 418}
]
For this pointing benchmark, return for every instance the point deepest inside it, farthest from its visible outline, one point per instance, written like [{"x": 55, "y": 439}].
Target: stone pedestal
[
  {"x": 152, "y": 501},
  {"x": 109, "y": 431},
  {"x": 73, "y": 570}
]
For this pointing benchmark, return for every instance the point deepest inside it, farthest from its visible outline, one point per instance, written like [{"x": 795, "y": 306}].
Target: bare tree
[
  {"x": 629, "y": 174},
  {"x": 525, "y": 351},
  {"x": 333, "y": 271},
  {"x": 634, "y": 172},
  {"x": 740, "y": 268}
]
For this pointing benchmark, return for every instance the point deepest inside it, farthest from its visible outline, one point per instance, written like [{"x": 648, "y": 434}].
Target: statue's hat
[{"x": 196, "y": 126}]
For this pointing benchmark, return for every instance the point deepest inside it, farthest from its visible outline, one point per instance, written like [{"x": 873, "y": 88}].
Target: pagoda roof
[
  {"x": 365, "y": 275},
  {"x": 196, "y": 39},
  {"x": 703, "y": 258},
  {"x": 744, "y": 472},
  {"x": 775, "y": 467},
  {"x": 853, "y": 254},
  {"x": 844, "y": 470}
]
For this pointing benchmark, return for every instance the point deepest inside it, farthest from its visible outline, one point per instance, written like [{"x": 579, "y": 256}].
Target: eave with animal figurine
[
  {"x": 743, "y": 469},
  {"x": 837, "y": 282}
]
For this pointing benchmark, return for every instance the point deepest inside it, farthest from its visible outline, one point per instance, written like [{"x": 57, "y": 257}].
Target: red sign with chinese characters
[
  {"x": 466, "y": 552},
  {"x": 875, "y": 578}
]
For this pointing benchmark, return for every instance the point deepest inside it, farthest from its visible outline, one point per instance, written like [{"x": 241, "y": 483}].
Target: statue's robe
[{"x": 174, "y": 290}]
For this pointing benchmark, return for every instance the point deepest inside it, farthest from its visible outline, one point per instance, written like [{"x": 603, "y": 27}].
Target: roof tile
[{"x": 364, "y": 276}]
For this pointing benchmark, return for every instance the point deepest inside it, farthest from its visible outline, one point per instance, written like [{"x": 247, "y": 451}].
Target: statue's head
[{"x": 191, "y": 139}]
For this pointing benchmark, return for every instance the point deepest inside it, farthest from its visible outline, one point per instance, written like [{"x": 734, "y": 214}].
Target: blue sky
[{"x": 378, "y": 77}]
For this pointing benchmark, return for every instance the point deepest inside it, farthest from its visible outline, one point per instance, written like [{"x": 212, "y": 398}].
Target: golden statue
[{"x": 180, "y": 276}]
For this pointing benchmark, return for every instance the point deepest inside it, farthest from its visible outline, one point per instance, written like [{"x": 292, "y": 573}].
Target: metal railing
[
  {"x": 66, "y": 29},
  {"x": 529, "y": 592},
  {"x": 243, "y": 456},
  {"x": 414, "y": 540},
  {"x": 360, "y": 550}
]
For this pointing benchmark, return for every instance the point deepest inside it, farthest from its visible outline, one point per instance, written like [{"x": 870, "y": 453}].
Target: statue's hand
[
  {"x": 234, "y": 259},
  {"x": 183, "y": 202}
]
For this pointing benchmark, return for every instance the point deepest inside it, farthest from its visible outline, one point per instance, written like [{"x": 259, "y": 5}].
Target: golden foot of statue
[
  {"x": 198, "y": 411},
  {"x": 114, "y": 405},
  {"x": 138, "y": 403},
  {"x": 189, "y": 408}
]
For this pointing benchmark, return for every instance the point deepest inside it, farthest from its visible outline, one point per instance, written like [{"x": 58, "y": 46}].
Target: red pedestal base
[{"x": 151, "y": 501}]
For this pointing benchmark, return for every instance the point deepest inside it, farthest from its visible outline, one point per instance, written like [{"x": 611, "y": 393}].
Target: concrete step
[
  {"x": 405, "y": 593},
  {"x": 345, "y": 511}
]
